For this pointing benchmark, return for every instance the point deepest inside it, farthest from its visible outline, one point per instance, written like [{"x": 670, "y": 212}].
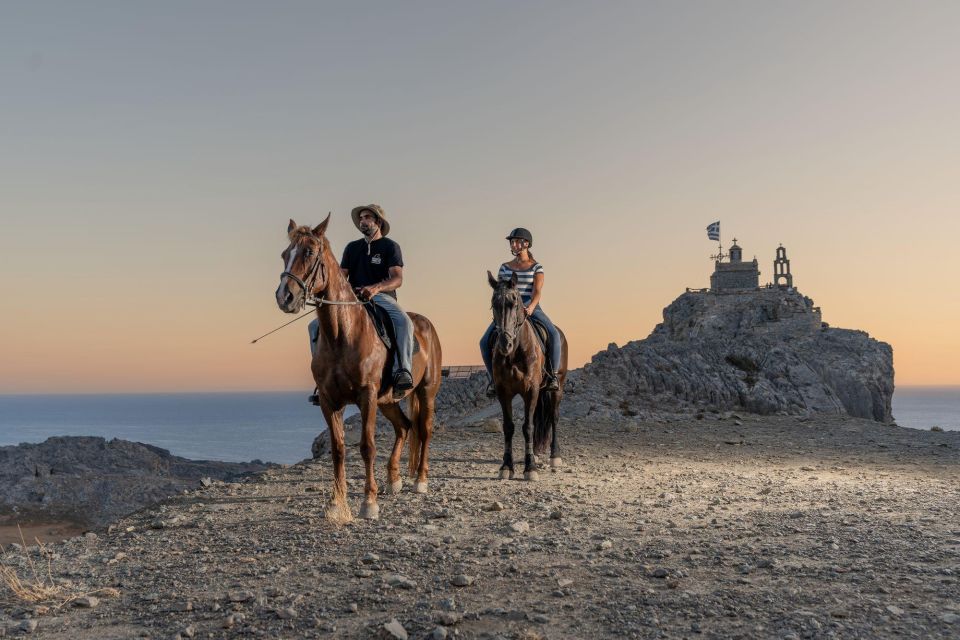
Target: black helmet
[{"x": 522, "y": 234}]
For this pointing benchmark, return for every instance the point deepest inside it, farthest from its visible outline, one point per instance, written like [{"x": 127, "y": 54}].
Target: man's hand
[{"x": 366, "y": 293}]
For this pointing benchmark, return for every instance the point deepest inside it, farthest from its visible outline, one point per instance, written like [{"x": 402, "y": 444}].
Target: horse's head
[
  {"x": 508, "y": 314},
  {"x": 305, "y": 272}
]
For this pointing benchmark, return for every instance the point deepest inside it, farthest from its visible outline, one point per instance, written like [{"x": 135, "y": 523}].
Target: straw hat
[{"x": 373, "y": 208}]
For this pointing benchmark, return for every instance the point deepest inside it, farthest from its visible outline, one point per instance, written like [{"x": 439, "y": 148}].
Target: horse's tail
[
  {"x": 413, "y": 434},
  {"x": 544, "y": 419}
]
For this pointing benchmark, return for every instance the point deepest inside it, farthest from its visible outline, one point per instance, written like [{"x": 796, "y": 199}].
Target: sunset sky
[{"x": 153, "y": 153}]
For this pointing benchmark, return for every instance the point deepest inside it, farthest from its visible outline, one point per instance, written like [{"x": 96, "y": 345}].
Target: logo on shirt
[{"x": 376, "y": 259}]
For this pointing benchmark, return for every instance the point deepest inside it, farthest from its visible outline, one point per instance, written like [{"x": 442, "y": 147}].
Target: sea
[{"x": 275, "y": 426}]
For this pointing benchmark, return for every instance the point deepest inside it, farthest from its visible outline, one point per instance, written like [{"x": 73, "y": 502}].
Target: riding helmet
[{"x": 522, "y": 234}]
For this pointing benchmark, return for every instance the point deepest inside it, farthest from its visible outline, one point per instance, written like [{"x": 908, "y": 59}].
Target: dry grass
[{"x": 37, "y": 587}]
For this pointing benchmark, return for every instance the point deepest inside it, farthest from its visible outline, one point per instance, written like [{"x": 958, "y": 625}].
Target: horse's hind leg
[
  {"x": 338, "y": 511},
  {"x": 555, "y": 460},
  {"x": 401, "y": 426},
  {"x": 424, "y": 426},
  {"x": 506, "y": 469}
]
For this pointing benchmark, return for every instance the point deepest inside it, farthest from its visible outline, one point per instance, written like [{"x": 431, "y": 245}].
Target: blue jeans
[
  {"x": 402, "y": 329},
  {"x": 553, "y": 343}
]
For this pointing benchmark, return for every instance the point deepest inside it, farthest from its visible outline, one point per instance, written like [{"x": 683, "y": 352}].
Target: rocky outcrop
[
  {"x": 91, "y": 481},
  {"x": 764, "y": 351}
]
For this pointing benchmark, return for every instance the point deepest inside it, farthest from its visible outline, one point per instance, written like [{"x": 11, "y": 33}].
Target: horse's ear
[
  {"x": 291, "y": 227},
  {"x": 491, "y": 280},
  {"x": 321, "y": 228},
  {"x": 513, "y": 280}
]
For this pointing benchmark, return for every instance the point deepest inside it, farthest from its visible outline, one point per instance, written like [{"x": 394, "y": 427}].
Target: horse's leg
[
  {"x": 529, "y": 406},
  {"x": 555, "y": 460},
  {"x": 401, "y": 425},
  {"x": 424, "y": 425},
  {"x": 338, "y": 511},
  {"x": 506, "y": 469},
  {"x": 368, "y": 449}
]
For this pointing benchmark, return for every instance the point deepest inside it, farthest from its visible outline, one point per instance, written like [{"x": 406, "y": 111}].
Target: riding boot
[
  {"x": 553, "y": 383},
  {"x": 402, "y": 382}
]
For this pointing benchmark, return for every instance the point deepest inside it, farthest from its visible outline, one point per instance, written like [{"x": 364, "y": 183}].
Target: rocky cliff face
[
  {"x": 763, "y": 351},
  {"x": 92, "y": 481}
]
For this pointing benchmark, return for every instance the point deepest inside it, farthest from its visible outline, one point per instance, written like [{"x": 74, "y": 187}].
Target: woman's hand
[{"x": 529, "y": 310}]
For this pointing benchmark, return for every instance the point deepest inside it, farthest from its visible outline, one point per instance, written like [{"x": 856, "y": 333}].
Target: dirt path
[{"x": 773, "y": 527}]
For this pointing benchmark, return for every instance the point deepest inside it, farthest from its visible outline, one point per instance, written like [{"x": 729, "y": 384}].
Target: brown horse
[
  {"x": 348, "y": 368},
  {"x": 518, "y": 363}
]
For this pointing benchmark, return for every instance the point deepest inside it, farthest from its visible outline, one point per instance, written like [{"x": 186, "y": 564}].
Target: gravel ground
[{"x": 725, "y": 527}]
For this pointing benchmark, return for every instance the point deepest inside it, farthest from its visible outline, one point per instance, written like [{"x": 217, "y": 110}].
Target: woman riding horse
[{"x": 530, "y": 278}]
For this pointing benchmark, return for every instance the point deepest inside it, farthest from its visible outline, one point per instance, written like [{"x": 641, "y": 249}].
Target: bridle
[
  {"x": 306, "y": 288},
  {"x": 512, "y": 335}
]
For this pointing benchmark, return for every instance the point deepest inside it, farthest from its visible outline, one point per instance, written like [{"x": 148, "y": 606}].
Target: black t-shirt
[{"x": 370, "y": 263}]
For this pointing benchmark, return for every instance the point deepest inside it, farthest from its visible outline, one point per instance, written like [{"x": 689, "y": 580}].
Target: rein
[{"x": 308, "y": 299}]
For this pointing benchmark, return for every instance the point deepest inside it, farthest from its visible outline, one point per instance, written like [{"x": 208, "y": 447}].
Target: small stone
[
  {"x": 438, "y": 633},
  {"x": 353, "y": 608},
  {"x": 288, "y": 613},
  {"x": 604, "y": 545},
  {"x": 950, "y": 618},
  {"x": 495, "y": 506},
  {"x": 189, "y": 631},
  {"x": 539, "y": 618},
  {"x": 894, "y": 610},
  {"x": 447, "y": 618},
  {"x": 205, "y": 482},
  {"x": 400, "y": 581},
  {"x": 461, "y": 580},
  {"x": 184, "y": 605},
  {"x": 394, "y": 629},
  {"x": 521, "y": 526},
  {"x": 28, "y": 626},
  {"x": 370, "y": 558},
  {"x": 660, "y": 572},
  {"x": 240, "y": 596},
  {"x": 564, "y": 582},
  {"x": 86, "y": 602},
  {"x": 556, "y": 514},
  {"x": 448, "y": 604}
]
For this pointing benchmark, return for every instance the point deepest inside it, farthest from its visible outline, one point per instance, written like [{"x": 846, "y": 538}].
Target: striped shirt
[{"x": 524, "y": 279}]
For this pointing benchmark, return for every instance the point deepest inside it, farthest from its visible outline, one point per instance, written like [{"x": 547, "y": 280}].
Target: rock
[
  {"x": 400, "y": 581},
  {"x": 895, "y": 610},
  {"x": 240, "y": 596},
  {"x": 521, "y": 526},
  {"x": 438, "y": 633},
  {"x": 950, "y": 618},
  {"x": 394, "y": 629},
  {"x": 28, "y": 626},
  {"x": 604, "y": 545},
  {"x": 189, "y": 631},
  {"x": 461, "y": 580},
  {"x": 93, "y": 482},
  {"x": 288, "y": 613},
  {"x": 494, "y": 506},
  {"x": 86, "y": 602},
  {"x": 763, "y": 350},
  {"x": 556, "y": 514},
  {"x": 370, "y": 558},
  {"x": 447, "y": 618}
]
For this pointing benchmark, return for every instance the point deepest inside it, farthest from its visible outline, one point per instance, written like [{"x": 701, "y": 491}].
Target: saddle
[{"x": 384, "y": 328}]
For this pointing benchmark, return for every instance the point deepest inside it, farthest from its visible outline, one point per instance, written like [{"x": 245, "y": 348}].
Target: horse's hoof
[
  {"x": 556, "y": 463},
  {"x": 394, "y": 487},
  {"x": 339, "y": 514},
  {"x": 420, "y": 487},
  {"x": 531, "y": 476},
  {"x": 506, "y": 474},
  {"x": 370, "y": 511}
]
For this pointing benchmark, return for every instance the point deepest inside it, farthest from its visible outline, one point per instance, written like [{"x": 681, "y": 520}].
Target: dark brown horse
[
  {"x": 518, "y": 364},
  {"x": 348, "y": 368}
]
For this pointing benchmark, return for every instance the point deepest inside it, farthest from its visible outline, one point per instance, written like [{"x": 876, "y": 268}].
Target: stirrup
[
  {"x": 552, "y": 384},
  {"x": 491, "y": 391},
  {"x": 402, "y": 382},
  {"x": 314, "y": 399}
]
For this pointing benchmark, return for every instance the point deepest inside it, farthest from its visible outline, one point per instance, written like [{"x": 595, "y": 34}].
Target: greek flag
[{"x": 713, "y": 230}]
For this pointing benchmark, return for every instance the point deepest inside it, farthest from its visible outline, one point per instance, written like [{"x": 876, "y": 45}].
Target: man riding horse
[{"x": 374, "y": 266}]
